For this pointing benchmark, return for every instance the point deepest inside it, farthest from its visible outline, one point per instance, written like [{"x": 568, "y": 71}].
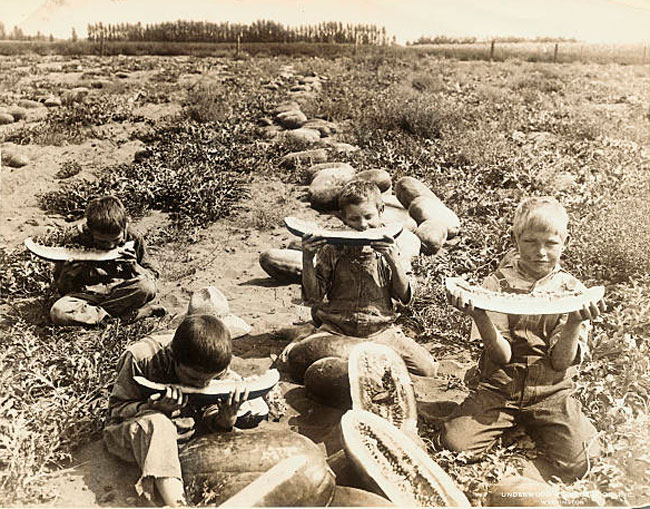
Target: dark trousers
[
  {"x": 117, "y": 298},
  {"x": 549, "y": 413}
]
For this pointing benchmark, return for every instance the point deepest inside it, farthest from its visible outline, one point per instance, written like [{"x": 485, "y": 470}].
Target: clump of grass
[
  {"x": 208, "y": 102},
  {"x": 427, "y": 82},
  {"x": 56, "y": 384},
  {"x": 410, "y": 112},
  {"x": 23, "y": 275},
  {"x": 614, "y": 239},
  {"x": 72, "y": 124},
  {"x": 68, "y": 169},
  {"x": 192, "y": 172}
]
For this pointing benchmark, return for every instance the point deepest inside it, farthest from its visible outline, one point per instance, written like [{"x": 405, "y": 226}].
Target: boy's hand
[
  {"x": 226, "y": 415},
  {"x": 170, "y": 402},
  {"x": 311, "y": 244},
  {"x": 588, "y": 312},
  {"x": 464, "y": 304},
  {"x": 388, "y": 248},
  {"x": 127, "y": 252}
]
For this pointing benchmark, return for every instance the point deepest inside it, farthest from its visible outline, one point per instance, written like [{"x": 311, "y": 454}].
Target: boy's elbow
[{"x": 501, "y": 358}]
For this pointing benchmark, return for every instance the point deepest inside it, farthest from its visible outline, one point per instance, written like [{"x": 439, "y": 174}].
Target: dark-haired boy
[
  {"x": 146, "y": 430},
  {"x": 93, "y": 291},
  {"x": 353, "y": 289}
]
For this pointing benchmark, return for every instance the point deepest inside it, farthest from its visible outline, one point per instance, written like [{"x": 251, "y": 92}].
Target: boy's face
[
  {"x": 362, "y": 216},
  {"x": 107, "y": 241},
  {"x": 195, "y": 377},
  {"x": 540, "y": 250}
]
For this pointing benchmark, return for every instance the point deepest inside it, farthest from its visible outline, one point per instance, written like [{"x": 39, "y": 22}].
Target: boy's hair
[
  {"x": 358, "y": 191},
  {"x": 202, "y": 342},
  {"x": 106, "y": 215},
  {"x": 541, "y": 213}
]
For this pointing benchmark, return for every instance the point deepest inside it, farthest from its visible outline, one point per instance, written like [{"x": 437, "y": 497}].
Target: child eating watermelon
[
  {"x": 94, "y": 291},
  {"x": 146, "y": 429},
  {"x": 529, "y": 361},
  {"x": 353, "y": 290}
]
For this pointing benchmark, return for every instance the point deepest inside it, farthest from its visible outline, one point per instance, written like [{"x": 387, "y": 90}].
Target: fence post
[
  {"x": 555, "y": 53},
  {"x": 238, "y": 45},
  {"x": 491, "y": 50}
]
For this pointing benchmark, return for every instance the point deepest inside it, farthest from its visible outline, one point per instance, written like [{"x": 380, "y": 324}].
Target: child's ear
[{"x": 567, "y": 240}]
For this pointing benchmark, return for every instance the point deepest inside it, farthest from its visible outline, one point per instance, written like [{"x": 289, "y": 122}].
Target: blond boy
[{"x": 528, "y": 361}]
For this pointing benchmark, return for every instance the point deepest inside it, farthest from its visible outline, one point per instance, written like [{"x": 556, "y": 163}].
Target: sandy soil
[{"x": 225, "y": 255}]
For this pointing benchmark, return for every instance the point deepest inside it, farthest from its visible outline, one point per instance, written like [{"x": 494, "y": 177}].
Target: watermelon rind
[
  {"x": 217, "y": 389},
  {"x": 375, "y": 369},
  {"x": 533, "y": 303},
  {"x": 403, "y": 471},
  {"x": 62, "y": 254},
  {"x": 299, "y": 228}
]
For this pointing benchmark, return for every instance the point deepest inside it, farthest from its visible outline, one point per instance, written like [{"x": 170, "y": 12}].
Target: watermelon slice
[
  {"x": 62, "y": 254},
  {"x": 534, "y": 303},
  {"x": 299, "y": 228},
  {"x": 216, "y": 390}
]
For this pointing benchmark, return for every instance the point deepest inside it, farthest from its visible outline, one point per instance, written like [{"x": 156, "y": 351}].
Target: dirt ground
[{"x": 225, "y": 255}]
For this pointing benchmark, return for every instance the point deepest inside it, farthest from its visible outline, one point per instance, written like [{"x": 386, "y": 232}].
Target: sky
[{"x": 606, "y": 21}]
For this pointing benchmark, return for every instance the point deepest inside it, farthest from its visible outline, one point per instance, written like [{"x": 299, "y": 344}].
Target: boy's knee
[
  {"x": 156, "y": 422},
  {"x": 571, "y": 468},
  {"x": 428, "y": 368},
  {"x": 456, "y": 437},
  {"x": 59, "y": 312},
  {"x": 453, "y": 438}
]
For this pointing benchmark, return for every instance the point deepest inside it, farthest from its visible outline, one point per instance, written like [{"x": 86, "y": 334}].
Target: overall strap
[{"x": 503, "y": 282}]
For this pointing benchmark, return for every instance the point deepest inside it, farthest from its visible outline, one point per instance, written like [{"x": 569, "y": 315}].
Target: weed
[
  {"x": 57, "y": 398},
  {"x": 72, "y": 124},
  {"x": 68, "y": 169}
]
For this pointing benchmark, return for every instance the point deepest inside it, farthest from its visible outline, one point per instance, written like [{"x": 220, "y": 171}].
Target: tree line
[
  {"x": 258, "y": 31},
  {"x": 17, "y": 35}
]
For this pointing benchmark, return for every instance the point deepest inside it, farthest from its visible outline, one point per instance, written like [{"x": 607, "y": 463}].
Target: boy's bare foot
[{"x": 171, "y": 491}]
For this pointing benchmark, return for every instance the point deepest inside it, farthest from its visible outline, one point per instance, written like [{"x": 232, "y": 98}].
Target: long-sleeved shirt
[
  {"x": 76, "y": 276},
  {"x": 152, "y": 358}
]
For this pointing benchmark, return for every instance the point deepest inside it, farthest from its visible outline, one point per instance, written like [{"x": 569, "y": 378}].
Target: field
[
  {"x": 630, "y": 54},
  {"x": 179, "y": 139}
]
